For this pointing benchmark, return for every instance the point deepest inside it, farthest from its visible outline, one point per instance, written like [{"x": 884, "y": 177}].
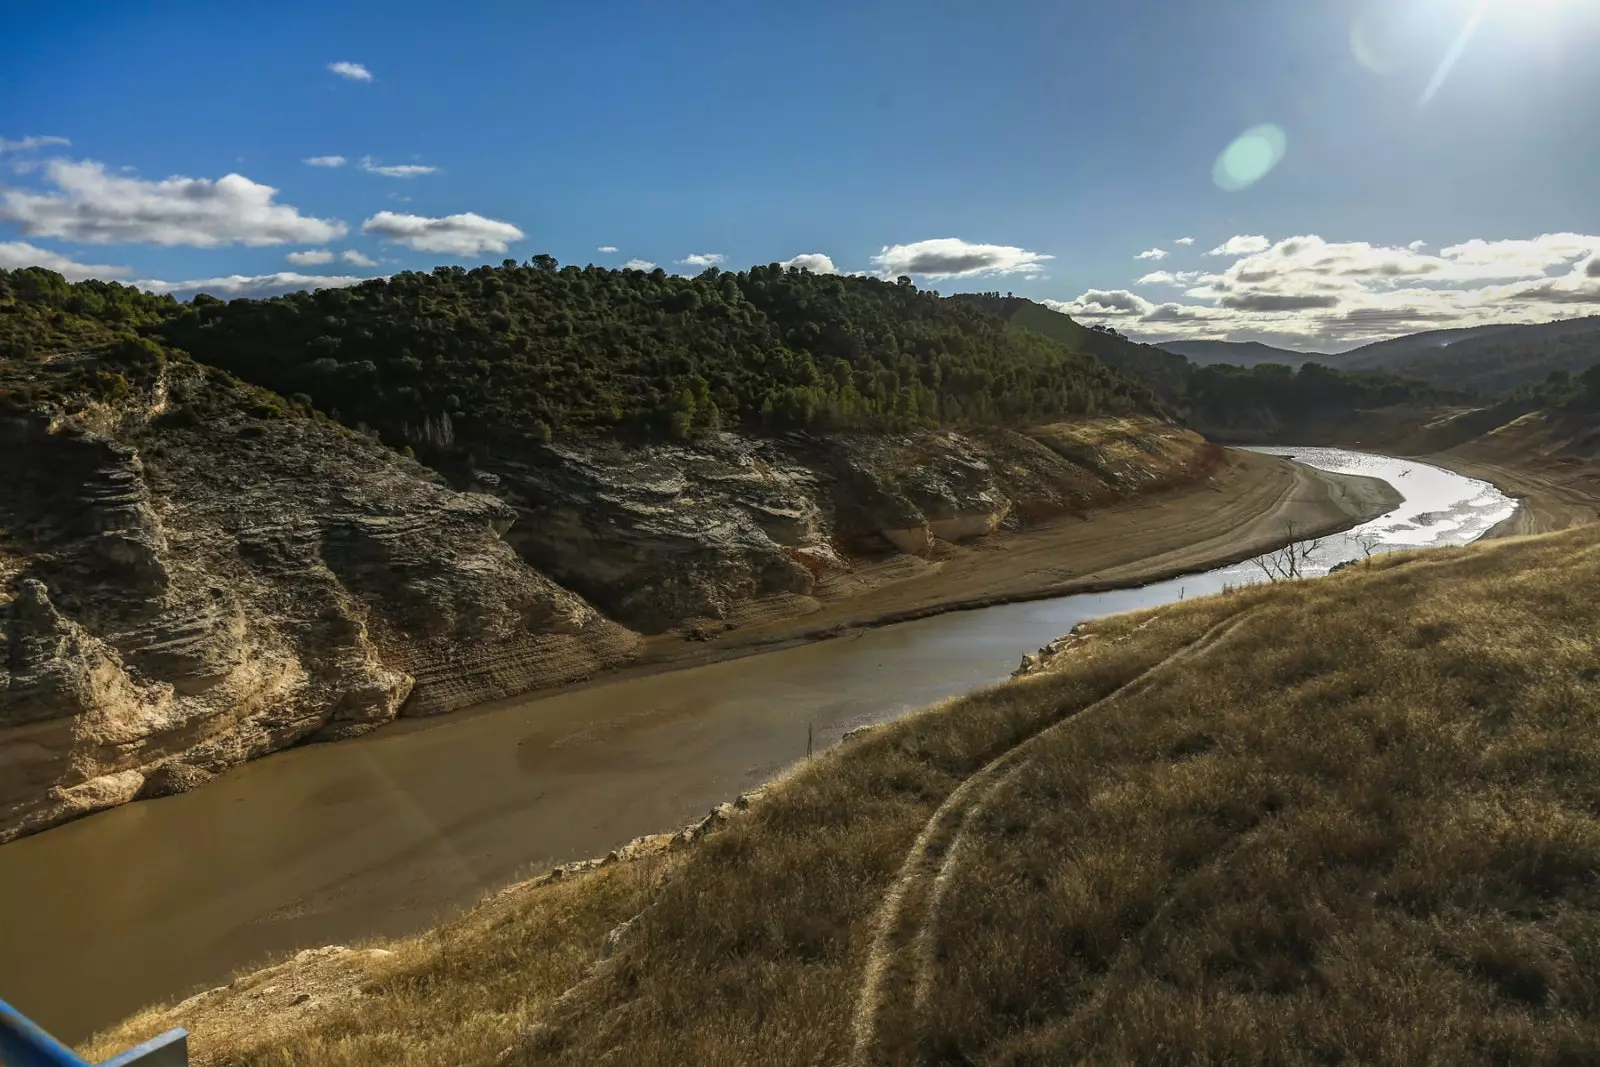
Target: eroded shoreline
[{"x": 384, "y": 835}]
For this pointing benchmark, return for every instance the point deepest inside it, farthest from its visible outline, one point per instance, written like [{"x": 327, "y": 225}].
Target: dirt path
[
  {"x": 898, "y": 973},
  {"x": 1254, "y": 504}
]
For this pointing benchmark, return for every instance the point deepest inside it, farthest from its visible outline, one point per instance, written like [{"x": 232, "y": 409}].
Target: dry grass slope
[{"x": 1358, "y": 822}]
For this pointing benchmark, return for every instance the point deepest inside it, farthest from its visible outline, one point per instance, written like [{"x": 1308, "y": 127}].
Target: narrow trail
[{"x": 896, "y": 982}]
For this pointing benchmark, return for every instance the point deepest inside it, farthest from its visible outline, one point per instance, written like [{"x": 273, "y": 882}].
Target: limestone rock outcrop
[
  {"x": 178, "y": 595},
  {"x": 193, "y": 574}
]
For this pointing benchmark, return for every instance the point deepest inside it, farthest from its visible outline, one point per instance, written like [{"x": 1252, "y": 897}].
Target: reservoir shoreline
[{"x": 387, "y": 834}]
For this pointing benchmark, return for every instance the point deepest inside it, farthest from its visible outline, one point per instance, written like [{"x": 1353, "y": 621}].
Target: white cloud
[
  {"x": 703, "y": 259},
  {"x": 325, "y": 161},
  {"x": 1241, "y": 246},
  {"x": 1104, "y": 303},
  {"x": 638, "y": 264},
  {"x": 14, "y": 254},
  {"x": 1152, "y": 253},
  {"x": 310, "y": 258},
  {"x": 1184, "y": 241},
  {"x": 1417, "y": 246},
  {"x": 1168, "y": 277},
  {"x": 28, "y": 144},
  {"x": 92, "y": 205},
  {"x": 606, "y": 249},
  {"x": 466, "y": 234},
  {"x": 951, "y": 257},
  {"x": 350, "y": 255},
  {"x": 356, "y": 72},
  {"x": 257, "y": 285},
  {"x": 1308, "y": 292},
  {"x": 398, "y": 170},
  {"x": 815, "y": 262}
]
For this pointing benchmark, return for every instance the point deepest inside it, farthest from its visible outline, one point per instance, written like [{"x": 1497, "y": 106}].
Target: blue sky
[{"x": 1046, "y": 145}]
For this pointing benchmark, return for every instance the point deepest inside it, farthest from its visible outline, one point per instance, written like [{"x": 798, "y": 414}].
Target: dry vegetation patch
[{"x": 1357, "y": 822}]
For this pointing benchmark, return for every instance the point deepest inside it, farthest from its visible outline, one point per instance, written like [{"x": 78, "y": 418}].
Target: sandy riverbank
[{"x": 1550, "y": 495}]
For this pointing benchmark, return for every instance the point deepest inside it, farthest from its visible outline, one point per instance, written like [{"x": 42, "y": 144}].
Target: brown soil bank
[{"x": 1348, "y": 820}]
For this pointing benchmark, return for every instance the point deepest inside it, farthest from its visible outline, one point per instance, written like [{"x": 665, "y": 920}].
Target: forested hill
[
  {"x": 1491, "y": 359},
  {"x": 1165, "y": 372},
  {"x": 540, "y": 349}
]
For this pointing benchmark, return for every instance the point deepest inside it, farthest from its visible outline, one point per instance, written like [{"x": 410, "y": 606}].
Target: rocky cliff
[
  {"x": 194, "y": 572},
  {"x": 664, "y": 536},
  {"x": 193, "y": 577}
]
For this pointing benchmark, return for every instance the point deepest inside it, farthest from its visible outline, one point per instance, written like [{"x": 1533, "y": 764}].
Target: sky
[{"x": 1314, "y": 173}]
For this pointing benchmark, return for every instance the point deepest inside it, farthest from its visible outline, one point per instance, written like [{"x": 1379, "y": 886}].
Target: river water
[{"x": 390, "y": 833}]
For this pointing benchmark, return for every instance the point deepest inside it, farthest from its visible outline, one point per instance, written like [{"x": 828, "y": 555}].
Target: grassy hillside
[
  {"x": 1491, "y": 359},
  {"x": 532, "y": 349},
  {"x": 1355, "y": 820}
]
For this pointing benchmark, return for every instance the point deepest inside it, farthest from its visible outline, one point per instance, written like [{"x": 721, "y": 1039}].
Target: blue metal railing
[{"x": 24, "y": 1044}]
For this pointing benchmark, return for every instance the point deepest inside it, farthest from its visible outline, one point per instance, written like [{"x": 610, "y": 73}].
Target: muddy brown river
[{"x": 387, "y": 834}]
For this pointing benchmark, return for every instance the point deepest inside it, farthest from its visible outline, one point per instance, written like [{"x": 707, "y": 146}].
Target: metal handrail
[{"x": 23, "y": 1043}]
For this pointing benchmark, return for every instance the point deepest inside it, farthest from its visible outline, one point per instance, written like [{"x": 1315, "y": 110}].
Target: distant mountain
[
  {"x": 1240, "y": 353},
  {"x": 1492, "y": 359}
]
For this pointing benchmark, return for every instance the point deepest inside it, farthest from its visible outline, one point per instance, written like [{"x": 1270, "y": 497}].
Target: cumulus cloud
[
  {"x": 606, "y": 249},
  {"x": 1168, "y": 277},
  {"x": 356, "y": 72},
  {"x": 1152, "y": 253},
  {"x": 28, "y": 144},
  {"x": 1184, "y": 241},
  {"x": 466, "y": 234},
  {"x": 1241, "y": 246},
  {"x": 325, "y": 161},
  {"x": 1310, "y": 293},
  {"x": 14, "y": 254},
  {"x": 638, "y": 264},
  {"x": 97, "y": 207},
  {"x": 1102, "y": 303},
  {"x": 251, "y": 285},
  {"x": 310, "y": 258},
  {"x": 703, "y": 259},
  {"x": 397, "y": 170},
  {"x": 951, "y": 257},
  {"x": 350, "y": 255},
  {"x": 815, "y": 262}
]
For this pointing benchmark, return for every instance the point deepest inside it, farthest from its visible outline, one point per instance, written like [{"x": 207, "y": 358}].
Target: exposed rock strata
[
  {"x": 660, "y": 536},
  {"x": 181, "y": 596},
  {"x": 193, "y": 576}
]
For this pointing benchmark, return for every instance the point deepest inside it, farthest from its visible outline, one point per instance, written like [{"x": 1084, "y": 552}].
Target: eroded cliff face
[
  {"x": 193, "y": 575},
  {"x": 664, "y": 536},
  {"x": 184, "y": 592}
]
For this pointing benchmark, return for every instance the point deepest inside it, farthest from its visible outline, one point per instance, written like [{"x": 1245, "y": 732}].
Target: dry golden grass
[{"x": 1359, "y": 824}]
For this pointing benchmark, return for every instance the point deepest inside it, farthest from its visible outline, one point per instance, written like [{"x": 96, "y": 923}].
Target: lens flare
[
  {"x": 1251, "y": 157},
  {"x": 1457, "y": 49}
]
